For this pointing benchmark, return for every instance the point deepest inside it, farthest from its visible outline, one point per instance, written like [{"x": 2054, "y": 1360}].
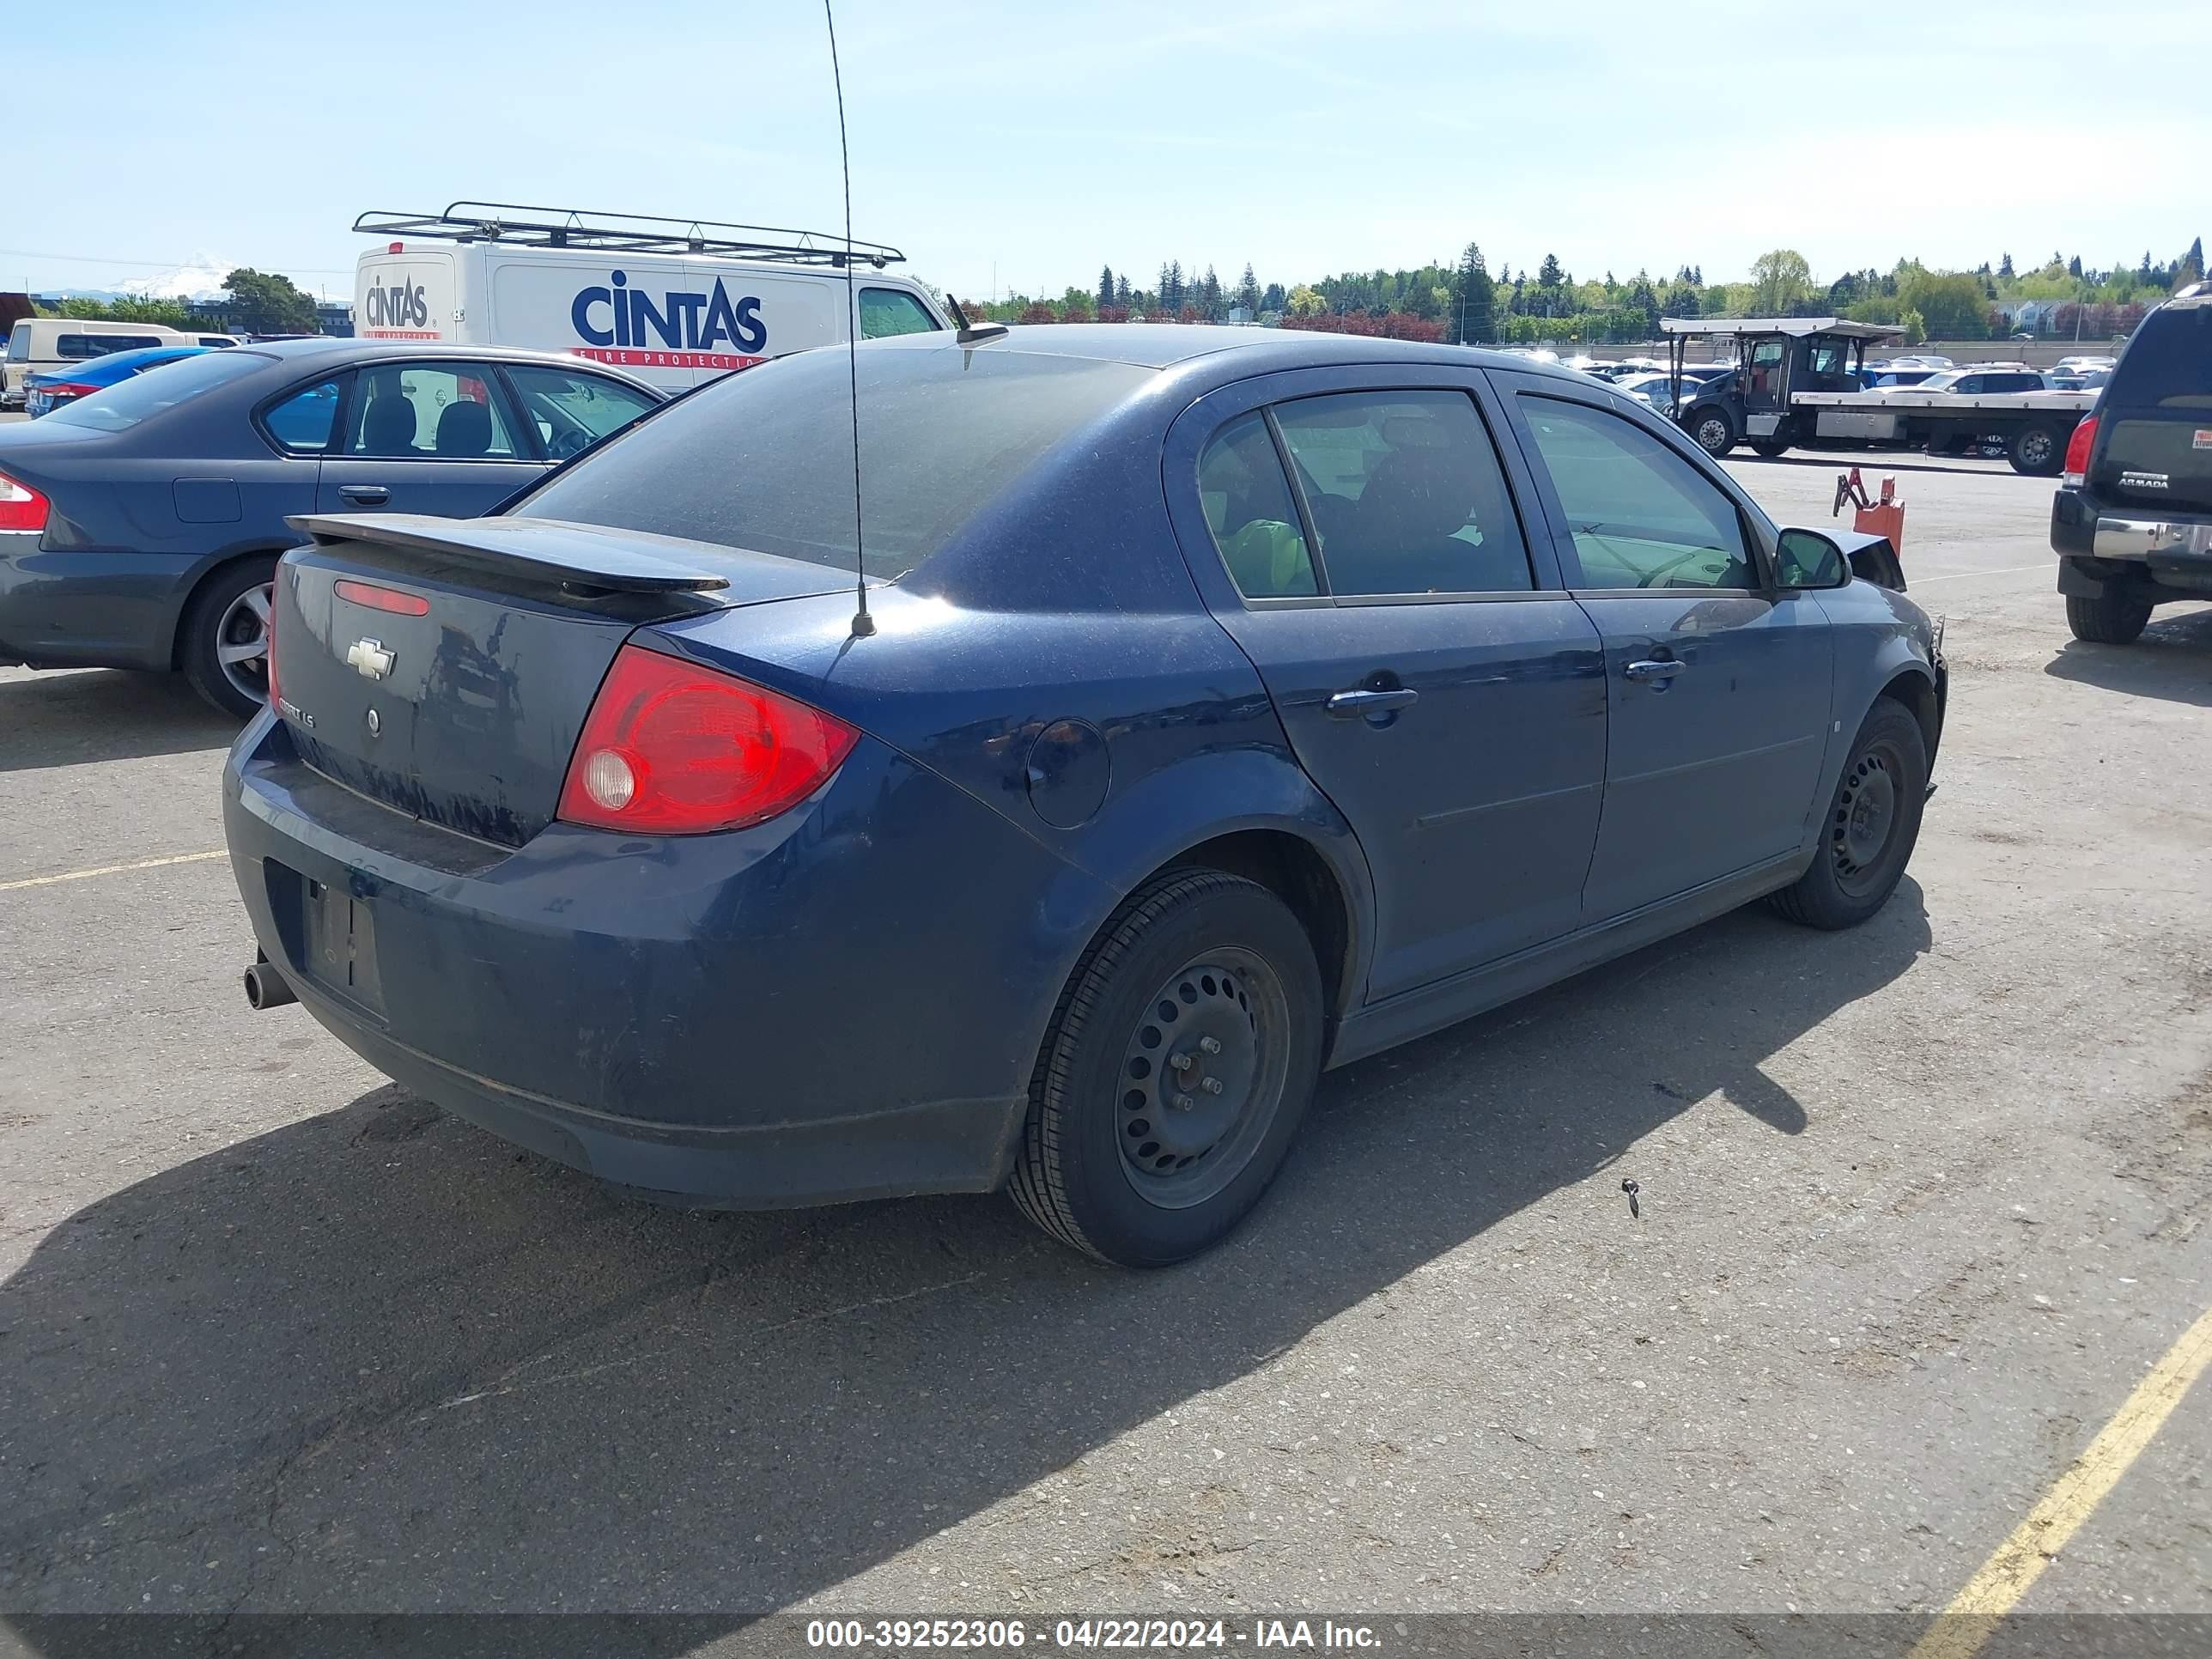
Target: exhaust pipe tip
[{"x": 265, "y": 988}]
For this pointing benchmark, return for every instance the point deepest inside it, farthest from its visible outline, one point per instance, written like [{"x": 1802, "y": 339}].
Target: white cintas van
[{"x": 673, "y": 301}]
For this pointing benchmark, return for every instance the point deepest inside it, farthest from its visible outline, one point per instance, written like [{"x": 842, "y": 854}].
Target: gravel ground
[{"x": 1920, "y": 1205}]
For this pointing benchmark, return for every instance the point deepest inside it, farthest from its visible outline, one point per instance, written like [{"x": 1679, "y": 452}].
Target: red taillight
[
  {"x": 21, "y": 508},
  {"x": 2077, "y": 452},
  {"x": 384, "y": 599},
  {"x": 670, "y": 749},
  {"x": 62, "y": 389}
]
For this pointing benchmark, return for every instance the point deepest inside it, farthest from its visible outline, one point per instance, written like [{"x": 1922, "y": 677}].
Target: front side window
[
  {"x": 571, "y": 409},
  {"x": 1406, "y": 494},
  {"x": 886, "y": 311},
  {"x": 428, "y": 412},
  {"x": 301, "y": 423},
  {"x": 1766, "y": 377},
  {"x": 1640, "y": 514},
  {"x": 1250, "y": 510}
]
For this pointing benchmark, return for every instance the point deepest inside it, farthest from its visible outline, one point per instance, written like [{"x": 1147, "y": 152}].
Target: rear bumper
[
  {"x": 2130, "y": 546},
  {"x": 61, "y": 609},
  {"x": 844, "y": 1004}
]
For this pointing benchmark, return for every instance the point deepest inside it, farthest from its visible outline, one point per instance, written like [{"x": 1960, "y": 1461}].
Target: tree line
[
  {"x": 1466, "y": 301},
  {"x": 259, "y": 302}
]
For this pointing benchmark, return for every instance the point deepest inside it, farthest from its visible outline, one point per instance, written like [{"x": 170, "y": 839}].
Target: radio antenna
[{"x": 863, "y": 623}]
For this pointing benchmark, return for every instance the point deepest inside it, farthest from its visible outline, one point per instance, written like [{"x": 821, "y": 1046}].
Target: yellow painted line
[
  {"x": 111, "y": 870},
  {"x": 1973, "y": 1615}
]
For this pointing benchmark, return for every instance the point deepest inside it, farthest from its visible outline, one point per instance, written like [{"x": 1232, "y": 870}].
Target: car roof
[
  {"x": 333, "y": 353},
  {"x": 1168, "y": 345}
]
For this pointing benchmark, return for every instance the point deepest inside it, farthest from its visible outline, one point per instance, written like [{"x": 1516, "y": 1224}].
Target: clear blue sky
[{"x": 1038, "y": 141}]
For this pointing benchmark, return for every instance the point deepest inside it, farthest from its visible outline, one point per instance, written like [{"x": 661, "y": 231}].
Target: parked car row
[
  {"x": 141, "y": 520},
  {"x": 43, "y": 345}
]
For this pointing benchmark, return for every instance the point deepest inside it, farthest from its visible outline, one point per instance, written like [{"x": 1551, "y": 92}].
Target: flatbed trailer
[
  {"x": 1798, "y": 380},
  {"x": 2033, "y": 426}
]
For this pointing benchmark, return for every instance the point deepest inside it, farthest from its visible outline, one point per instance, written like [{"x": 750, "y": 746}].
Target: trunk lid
[
  {"x": 444, "y": 667},
  {"x": 2155, "y": 439}
]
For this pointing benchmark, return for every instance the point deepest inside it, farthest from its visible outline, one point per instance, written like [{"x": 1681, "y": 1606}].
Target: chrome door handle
[
  {"x": 1354, "y": 705},
  {"x": 1654, "y": 671},
  {"x": 366, "y": 494}
]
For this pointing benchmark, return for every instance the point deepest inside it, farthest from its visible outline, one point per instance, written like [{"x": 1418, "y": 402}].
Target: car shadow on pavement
[
  {"x": 2173, "y": 660},
  {"x": 65, "y": 717},
  {"x": 378, "y": 1360}
]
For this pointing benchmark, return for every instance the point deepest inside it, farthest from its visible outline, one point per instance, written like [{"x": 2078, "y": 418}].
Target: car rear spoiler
[{"x": 573, "y": 555}]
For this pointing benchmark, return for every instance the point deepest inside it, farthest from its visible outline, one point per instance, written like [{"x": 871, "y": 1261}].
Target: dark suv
[{"x": 2132, "y": 521}]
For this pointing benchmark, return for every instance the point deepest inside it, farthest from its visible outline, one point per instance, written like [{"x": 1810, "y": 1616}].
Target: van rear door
[{"x": 406, "y": 293}]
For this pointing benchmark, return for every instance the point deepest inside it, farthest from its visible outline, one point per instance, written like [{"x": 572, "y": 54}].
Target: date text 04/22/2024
[{"x": 1158, "y": 1635}]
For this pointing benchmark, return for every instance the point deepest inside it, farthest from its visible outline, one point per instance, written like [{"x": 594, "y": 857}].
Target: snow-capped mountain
[{"x": 199, "y": 278}]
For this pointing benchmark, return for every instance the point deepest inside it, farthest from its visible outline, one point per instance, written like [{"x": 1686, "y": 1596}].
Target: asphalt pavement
[{"x": 1920, "y": 1204}]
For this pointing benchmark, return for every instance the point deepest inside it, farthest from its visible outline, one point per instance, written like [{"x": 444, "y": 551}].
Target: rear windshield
[
  {"x": 764, "y": 459},
  {"x": 164, "y": 387},
  {"x": 2168, "y": 364}
]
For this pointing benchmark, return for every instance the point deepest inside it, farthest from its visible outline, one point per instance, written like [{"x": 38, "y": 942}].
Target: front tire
[
  {"x": 1712, "y": 430},
  {"x": 2110, "y": 619},
  {"x": 1182, "y": 1056},
  {"x": 1872, "y": 825},
  {"x": 222, "y": 644}
]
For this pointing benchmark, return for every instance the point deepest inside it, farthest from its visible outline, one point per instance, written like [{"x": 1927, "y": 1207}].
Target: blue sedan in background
[
  {"x": 47, "y": 390},
  {"x": 140, "y": 524},
  {"x": 1228, "y": 704}
]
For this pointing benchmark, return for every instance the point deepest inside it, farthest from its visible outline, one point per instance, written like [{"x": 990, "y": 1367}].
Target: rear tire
[
  {"x": 1872, "y": 825},
  {"x": 1128, "y": 1159},
  {"x": 223, "y": 644},
  {"x": 2111, "y": 619},
  {"x": 2038, "y": 451}
]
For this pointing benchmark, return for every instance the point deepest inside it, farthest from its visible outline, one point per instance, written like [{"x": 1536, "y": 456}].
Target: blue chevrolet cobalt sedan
[{"x": 1226, "y": 704}]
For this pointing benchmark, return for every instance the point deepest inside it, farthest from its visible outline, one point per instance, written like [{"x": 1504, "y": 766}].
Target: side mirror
[{"x": 1806, "y": 559}]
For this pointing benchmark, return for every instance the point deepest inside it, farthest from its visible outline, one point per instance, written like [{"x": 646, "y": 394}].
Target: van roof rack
[{"x": 622, "y": 233}]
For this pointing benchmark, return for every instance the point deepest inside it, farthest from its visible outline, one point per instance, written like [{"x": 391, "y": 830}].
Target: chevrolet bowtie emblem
[{"x": 370, "y": 658}]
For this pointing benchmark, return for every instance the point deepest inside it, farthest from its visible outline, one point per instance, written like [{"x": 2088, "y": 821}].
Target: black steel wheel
[
  {"x": 1872, "y": 825},
  {"x": 1180, "y": 1061},
  {"x": 1712, "y": 430},
  {"x": 2038, "y": 451}
]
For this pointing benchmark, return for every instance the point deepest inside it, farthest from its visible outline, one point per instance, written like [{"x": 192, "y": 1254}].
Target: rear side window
[
  {"x": 764, "y": 459},
  {"x": 1406, "y": 494},
  {"x": 429, "y": 412},
  {"x": 2168, "y": 364},
  {"x": 1250, "y": 510},
  {"x": 128, "y": 402},
  {"x": 1640, "y": 514},
  {"x": 302, "y": 421},
  {"x": 887, "y": 311}
]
